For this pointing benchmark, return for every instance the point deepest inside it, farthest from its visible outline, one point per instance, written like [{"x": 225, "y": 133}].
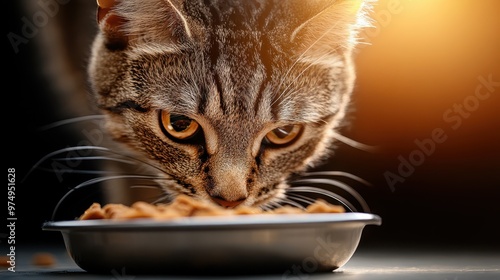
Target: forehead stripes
[{"x": 238, "y": 53}]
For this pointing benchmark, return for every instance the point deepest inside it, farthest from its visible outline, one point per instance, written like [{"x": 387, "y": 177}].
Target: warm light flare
[{"x": 422, "y": 59}]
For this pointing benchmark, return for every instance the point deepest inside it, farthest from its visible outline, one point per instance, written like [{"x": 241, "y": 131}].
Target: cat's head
[{"x": 227, "y": 97}]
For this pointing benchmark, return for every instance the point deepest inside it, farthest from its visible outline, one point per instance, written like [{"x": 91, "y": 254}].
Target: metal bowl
[{"x": 274, "y": 243}]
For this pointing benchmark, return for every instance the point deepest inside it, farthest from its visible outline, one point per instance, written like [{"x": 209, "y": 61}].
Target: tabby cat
[{"x": 225, "y": 100}]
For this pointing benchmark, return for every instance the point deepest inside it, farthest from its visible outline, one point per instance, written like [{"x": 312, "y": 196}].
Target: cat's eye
[
  {"x": 283, "y": 135},
  {"x": 179, "y": 126}
]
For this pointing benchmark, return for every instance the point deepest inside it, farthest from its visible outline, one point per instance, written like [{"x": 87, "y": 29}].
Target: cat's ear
[
  {"x": 330, "y": 25},
  {"x": 111, "y": 24},
  {"x": 151, "y": 22}
]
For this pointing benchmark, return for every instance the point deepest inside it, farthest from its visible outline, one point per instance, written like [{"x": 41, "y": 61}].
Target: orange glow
[{"x": 424, "y": 57}]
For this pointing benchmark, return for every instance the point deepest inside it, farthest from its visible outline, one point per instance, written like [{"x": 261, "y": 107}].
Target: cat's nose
[{"x": 227, "y": 204}]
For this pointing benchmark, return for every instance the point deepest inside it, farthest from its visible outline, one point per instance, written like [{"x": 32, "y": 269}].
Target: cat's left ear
[
  {"x": 125, "y": 23},
  {"x": 111, "y": 24},
  {"x": 333, "y": 24}
]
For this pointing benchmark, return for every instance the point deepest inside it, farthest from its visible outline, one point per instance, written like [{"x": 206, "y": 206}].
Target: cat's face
[{"x": 227, "y": 99}]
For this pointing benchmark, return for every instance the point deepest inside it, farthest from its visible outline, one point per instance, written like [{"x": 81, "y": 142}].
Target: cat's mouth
[{"x": 225, "y": 203}]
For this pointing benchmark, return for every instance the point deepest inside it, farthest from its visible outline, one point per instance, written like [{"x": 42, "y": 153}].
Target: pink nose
[{"x": 227, "y": 204}]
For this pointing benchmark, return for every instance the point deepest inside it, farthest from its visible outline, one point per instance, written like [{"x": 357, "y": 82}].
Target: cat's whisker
[
  {"x": 275, "y": 204},
  {"x": 166, "y": 197},
  {"x": 145, "y": 187},
  {"x": 141, "y": 161},
  {"x": 308, "y": 189},
  {"x": 99, "y": 180},
  {"x": 115, "y": 177},
  {"x": 291, "y": 202},
  {"x": 93, "y": 148},
  {"x": 338, "y": 184},
  {"x": 71, "y": 120},
  {"x": 354, "y": 143},
  {"x": 96, "y": 158},
  {"x": 75, "y": 171},
  {"x": 300, "y": 198},
  {"x": 265, "y": 207},
  {"x": 337, "y": 173},
  {"x": 60, "y": 151}
]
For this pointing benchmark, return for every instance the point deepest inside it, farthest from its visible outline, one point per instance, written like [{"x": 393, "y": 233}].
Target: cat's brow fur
[{"x": 240, "y": 69}]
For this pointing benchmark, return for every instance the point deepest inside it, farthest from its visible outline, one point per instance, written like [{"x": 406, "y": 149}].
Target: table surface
[{"x": 366, "y": 263}]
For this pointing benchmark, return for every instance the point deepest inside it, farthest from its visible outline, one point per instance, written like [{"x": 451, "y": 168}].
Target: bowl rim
[{"x": 255, "y": 221}]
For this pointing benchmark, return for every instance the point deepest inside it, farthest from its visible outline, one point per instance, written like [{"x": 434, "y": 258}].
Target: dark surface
[{"x": 403, "y": 263}]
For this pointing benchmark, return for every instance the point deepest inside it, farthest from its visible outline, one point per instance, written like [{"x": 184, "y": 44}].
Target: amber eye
[
  {"x": 179, "y": 126},
  {"x": 284, "y": 134}
]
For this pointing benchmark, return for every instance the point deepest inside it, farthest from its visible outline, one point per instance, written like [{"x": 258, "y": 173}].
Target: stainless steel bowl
[{"x": 279, "y": 243}]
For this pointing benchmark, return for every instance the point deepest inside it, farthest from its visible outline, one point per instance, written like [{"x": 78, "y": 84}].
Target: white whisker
[
  {"x": 338, "y": 184},
  {"x": 265, "y": 207},
  {"x": 145, "y": 187},
  {"x": 301, "y": 198},
  {"x": 355, "y": 144},
  {"x": 291, "y": 202},
  {"x": 337, "y": 173},
  {"x": 93, "y": 148},
  {"x": 76, "y": 171},
  {"x": 72, "y": 120},
  {"x": 165, "y": 198},
  {"x": 307, "y": 189},
  {"x": 275, "y": 204},
  {"x": 98, "y": 180},
  {"x": 60, "y": 151},
  {"x": 96, "y": 158}
]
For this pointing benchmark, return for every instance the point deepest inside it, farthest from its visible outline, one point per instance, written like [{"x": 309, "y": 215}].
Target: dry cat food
[
  {"x": 43, "y": 259},
  {"x": 185, "y": 206},
  {"x": 4, "y": 261}
]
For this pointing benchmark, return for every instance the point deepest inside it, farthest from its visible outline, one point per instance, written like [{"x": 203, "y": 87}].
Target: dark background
[{"x": 425, "y": 57}]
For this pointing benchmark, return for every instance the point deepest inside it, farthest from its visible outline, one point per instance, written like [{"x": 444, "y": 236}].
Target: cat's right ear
[
  {"x": 111, "y": 24},
  {"x": 329, "y": 25}
]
